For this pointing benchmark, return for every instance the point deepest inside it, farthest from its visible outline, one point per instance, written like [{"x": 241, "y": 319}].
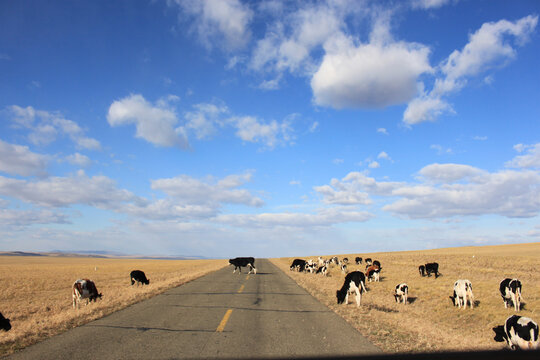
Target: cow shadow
[{"x": 411, "y": 299}]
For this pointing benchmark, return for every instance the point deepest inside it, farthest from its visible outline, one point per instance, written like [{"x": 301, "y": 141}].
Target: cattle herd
[
  {"x": 85, "y": 289},
  {"x": 519, "y": 332}
]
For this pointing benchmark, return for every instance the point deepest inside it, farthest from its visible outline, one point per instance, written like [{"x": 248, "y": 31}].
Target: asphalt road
[{"x": 221, "y": 315}]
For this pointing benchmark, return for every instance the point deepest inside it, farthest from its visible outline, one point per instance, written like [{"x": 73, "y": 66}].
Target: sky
[{"x": 223, "y": 128}]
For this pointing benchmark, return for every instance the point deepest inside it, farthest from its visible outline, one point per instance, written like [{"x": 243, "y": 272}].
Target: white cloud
[
  {"x": 223, "y": 22},
  {"x": 45, "y": 127},
  {"x": 383, "y": 155},
  {"x": 98, "y": 191},
  {"x": 369, "y": 75},
  {"x": 271, "y": 134},
  {"x": 197, "y": 192},
  {"x": 154, "y": 123},
  {"x": 448, "y": 173},
  {"x": 430, "y": 4},
  {"x": 323, "y": 218},
  {"x": 505, "y": 193},
  {"x": 19, "y": 160},
  {"x": 382, "y": 131},
  {"x": 79, "y": 160},
  {"x": 374, "y": 165},
  {"x": 204, "y": 120},
  {"x": 23, "y": 218},
  {"x": 529, "y": 160},
  {"x": 490, "y": 47}
]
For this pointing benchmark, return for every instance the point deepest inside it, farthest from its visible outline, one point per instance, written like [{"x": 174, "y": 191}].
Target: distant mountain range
[{"x": 98, "y": 254}]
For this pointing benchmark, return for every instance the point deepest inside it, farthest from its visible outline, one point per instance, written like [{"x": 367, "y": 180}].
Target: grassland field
[
  {"x": 430, "y": 322},
  {"x": 36, "y": 291}
]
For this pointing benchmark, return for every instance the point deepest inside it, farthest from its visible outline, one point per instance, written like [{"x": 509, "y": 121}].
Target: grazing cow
[
  {"x": 84, "y": 289},
  {"x": 358, "y": 260},
  {"x": 322, "y": 270},
  {"x": 240, "y": 262},
  {"x": 519, "y": 332},
  {"x": 369, "y": 261},
  {"x": 372, "y": 273},
  {"x": 345, "y": 260},
  {"x": 462, "y": 293},
  {"x": 377, "y": 263},
  {"x": 354, "y": 282},
  {"x": 344, "y": 268},
  {"x": 511, "y": 293},
  {"x": 335, "y": 260},
  {"x": 422, "y": 270},
  {"x": 5, "y": 324},
  {"x": 298, "y": 265},
  {"x": 139, "y": 277},
  {"x": 432, "y": 268},
  {"x": 401, "y": 293},
  {"x": 321, "y": 261}
]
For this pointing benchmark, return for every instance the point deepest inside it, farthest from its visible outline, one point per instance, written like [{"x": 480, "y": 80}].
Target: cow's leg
[
  {"x": 347, "y": 298},
  {"x": 250, "y": 268},
  {"x": 358, "y": 297}
]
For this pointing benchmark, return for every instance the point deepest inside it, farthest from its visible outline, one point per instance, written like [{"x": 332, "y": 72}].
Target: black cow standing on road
[
  {"x": 240, "y": 262},
  {"x": 4, "y": 323},
  {"x": 139, "y": 277}
]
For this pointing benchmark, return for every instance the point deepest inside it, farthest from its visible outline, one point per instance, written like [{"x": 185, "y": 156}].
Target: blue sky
[{"x": 243, "y": 128}]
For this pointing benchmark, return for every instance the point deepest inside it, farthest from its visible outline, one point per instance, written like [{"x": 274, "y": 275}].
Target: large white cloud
[
  {"x": 530, "y": 160},
  {"x": 490, "y": 47},
  {"x": 154, "y": 123},
  {"x": 369, "y": 75},
  {"x": 19, "y": 160}
]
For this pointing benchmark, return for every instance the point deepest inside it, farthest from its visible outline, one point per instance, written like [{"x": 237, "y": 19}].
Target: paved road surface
[{"x": 221, "y": 315}]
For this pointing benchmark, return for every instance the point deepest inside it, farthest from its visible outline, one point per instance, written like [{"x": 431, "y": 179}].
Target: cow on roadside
[
  {"x": 401, "y": 293},
  {"x": 298, "y": 265},
  {"x": 84, "y": 289},
  {"x": 519, "y": 332},
  {"x": 354, "y": 282},
  {"x": 241, "y": 262},
  {"x": 511, "y": 293},
  {"x": 139, "y": 277},
  {"x": 5, "y": 324}
]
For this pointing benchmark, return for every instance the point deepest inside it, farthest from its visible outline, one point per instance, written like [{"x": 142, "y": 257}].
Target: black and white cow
[
  {"x": 511, "y": 293},
  {"x": 354, "y": 282},
  {"x": 345, "y": 260},
  {"x": 298, "y": 265},
  {"x": 372, "y": 273},
  {"x": 377, "y": 263},
  {"x": 401, "y": 293},
  {"x": 344, "y": 268},
  {"x": 358, "y": 260},
  {"x": 139, "y": 277},
  {"x": 322, "y": 270},
  {"x": 369, "y": 262},
  {"x": 422, "y": 270},
  {"x": 84, "y": 289},
  {"x": 5, "y": 324},
  {"x": 241, "y": 262},
  {"x": 519, "y": 332},
  {"x": 462, "y": 294},
  {"x": 432, "y": 268}
]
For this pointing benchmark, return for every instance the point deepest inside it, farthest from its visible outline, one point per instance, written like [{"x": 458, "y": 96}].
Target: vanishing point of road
[{"x": 220, "y": 315}]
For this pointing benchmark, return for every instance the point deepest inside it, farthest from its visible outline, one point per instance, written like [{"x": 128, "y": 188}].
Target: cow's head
[
  {"x": 147, "y": 282},
  {"x": 5, "y": 324},
  {"x": 340, "y": 295},
  {"x": 500, "y": 334}
]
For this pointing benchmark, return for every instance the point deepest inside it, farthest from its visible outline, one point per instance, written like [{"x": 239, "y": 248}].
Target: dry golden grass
[
  {"x": 430, "y": 322},
  {"x": 36, "y": 291}
]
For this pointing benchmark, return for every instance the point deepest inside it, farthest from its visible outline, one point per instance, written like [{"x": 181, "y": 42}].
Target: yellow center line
[
  {"x": 223, "y": 322},
  {"x": 241, "y": 289}
]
